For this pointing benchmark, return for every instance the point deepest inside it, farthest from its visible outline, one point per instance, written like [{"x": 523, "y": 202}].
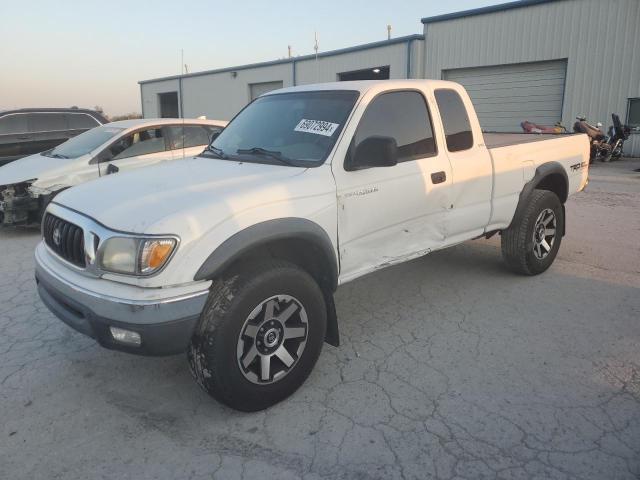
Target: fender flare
[
  {"x": 543, "y": 171},
  {"x": 266, "y": 232},
  {"x": 269, "y": 231}
]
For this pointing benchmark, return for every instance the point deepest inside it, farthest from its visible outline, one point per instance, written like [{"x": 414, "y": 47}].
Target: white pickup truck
[{"x": 233, "y": 256}]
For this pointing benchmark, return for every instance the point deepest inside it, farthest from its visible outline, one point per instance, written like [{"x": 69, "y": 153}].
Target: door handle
[{"x": 438, "y": 177}]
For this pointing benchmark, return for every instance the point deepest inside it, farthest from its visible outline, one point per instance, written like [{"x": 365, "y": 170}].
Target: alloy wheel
[
  {"x": 272, "y": 339},
  {"x": 544, "y": 234}
]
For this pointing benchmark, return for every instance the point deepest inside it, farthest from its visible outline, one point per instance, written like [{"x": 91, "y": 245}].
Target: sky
[{"x": 87, "y": 53}]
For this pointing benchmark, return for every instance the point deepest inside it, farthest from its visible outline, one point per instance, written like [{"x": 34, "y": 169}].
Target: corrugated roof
[
  {"x": 483, "y": 10},
  {"x": 365, "y": 46}
]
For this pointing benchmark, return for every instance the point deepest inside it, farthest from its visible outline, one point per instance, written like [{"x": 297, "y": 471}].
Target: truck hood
[
  {"x": 32, "y": 167},
  {"x": 135, "y": 201}
]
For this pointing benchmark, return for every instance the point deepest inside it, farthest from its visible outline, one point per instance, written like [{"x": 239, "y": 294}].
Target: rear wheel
[
  {"x": 531, "y": 243},
  {"x": 260, "y": 335}
]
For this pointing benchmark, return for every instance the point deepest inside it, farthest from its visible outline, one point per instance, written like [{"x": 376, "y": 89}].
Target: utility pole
[{"x": 315, "y": 47}]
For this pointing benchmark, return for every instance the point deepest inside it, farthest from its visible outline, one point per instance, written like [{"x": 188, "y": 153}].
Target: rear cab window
[{"x": 455, "y": 120}]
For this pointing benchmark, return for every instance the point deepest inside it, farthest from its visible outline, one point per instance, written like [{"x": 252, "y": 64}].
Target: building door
[
  {"x": 169, "y": 105},
  {"x": 505, "y": 95},
  {"x": 373, "y": 73},
  {"x": 257, "y": 89}
]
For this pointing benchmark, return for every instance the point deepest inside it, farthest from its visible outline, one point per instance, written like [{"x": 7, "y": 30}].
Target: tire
[
  {"x": 522, "y": 250},
  {"x": 253, "y": 313}
]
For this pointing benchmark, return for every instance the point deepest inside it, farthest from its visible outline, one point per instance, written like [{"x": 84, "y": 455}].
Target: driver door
[
  {"x": 390, "y": 214},
  {"x": 138, "y": 149}
]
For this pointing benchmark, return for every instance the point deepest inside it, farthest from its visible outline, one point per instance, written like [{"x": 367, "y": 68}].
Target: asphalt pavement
[{"x": 450, "y": 367}]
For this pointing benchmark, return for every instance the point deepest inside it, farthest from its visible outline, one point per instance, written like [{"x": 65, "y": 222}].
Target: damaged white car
[{"x": 29, "y": 184}]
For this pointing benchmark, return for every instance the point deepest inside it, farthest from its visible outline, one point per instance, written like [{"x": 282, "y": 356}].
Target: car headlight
[{"x": 136, "y": 256}]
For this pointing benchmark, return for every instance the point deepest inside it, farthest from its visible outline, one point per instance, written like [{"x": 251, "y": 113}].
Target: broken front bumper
[
  {"x": 19, "y": 211},
  {"x": 18, "y": 206}
]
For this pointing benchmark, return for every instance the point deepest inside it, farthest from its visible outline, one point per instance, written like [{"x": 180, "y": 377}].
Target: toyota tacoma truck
[{"x": 233, "y": 256}]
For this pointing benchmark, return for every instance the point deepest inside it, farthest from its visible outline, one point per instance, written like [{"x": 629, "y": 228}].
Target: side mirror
[
  {"x": 111, "y": 168},
  {"x": 214, "y": 135},
  {"x": 375, "y": 151}
]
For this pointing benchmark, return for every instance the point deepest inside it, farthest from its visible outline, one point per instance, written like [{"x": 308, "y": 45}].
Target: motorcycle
[
  {"x": 530, "y": 127},
  {"x": 600, "y": 149},
  {"x": 616, "y": 137}
]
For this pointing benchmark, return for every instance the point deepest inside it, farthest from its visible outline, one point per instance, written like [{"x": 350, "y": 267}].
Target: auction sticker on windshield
[{"x": 316, "y": 126}]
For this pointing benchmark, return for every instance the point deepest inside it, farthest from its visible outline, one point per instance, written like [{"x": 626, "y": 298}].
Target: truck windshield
[
  {"x": 84, "y": 143},
  {"x": 296, "y": 129}
]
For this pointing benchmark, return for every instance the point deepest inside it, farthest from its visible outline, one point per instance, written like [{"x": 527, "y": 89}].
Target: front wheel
[
  {"x": 531, "y": 243},
  {"x": 260, "y": 335}
]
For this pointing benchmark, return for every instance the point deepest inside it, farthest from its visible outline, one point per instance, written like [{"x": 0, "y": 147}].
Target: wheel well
[
  {"x": 310, "y": 257},
  {"x": 555, "y": 183},
  {"x": 303, "y": 253}
]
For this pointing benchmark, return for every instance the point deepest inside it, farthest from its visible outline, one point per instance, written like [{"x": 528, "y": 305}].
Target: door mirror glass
[{"x": 375, "y": 151}]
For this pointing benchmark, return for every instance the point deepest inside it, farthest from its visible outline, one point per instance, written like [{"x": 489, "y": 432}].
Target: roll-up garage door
[
  {"x": 258, "y": 89},
  {"x": 505, "y": 95}
]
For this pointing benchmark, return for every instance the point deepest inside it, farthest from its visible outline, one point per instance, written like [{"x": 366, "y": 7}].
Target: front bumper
[{"x": 164, "y": 325}]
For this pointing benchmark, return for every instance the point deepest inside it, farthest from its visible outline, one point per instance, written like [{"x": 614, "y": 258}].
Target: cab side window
[
  {"x": 402, "y": 116},
  {"x": 455, "y": 120},
  {"x": 47, "y": 122},
  {"x": 81, "y": 121},
  {"x": 189, "y": 136},
  {"x": 139, "y": 143},
  {"x": 195, "y": 136}
]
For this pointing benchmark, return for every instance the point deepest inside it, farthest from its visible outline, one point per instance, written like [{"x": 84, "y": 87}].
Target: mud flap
[{"x": 332, "y": 336}]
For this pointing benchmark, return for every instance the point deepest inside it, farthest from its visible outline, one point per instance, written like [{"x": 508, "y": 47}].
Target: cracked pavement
[{"x": 450, "y": 368}]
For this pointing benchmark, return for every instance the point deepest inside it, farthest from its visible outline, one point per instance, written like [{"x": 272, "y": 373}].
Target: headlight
[{"x": 136, "y": 256}]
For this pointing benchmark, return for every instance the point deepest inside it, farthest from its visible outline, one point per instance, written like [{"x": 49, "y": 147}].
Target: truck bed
[
  {"x": 516, "y": 156},
  {"x": 495, "y": 140}
]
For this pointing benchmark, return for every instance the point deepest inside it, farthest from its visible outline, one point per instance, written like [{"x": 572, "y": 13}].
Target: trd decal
[{"x": 579, "y": 166}]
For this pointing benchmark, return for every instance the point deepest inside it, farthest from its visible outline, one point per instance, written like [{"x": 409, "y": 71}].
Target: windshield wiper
[
  {"x": 57, "y": 155},
  {"x": 216, "y": 151},
  {"x": 267, "y": 153}
]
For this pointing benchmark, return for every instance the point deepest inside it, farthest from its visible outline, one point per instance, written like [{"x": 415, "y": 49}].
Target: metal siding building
[
  {"x": 514, "y": 55},
  {"x": 537, "y": 60},
  {"x": 221, "y": 93}
]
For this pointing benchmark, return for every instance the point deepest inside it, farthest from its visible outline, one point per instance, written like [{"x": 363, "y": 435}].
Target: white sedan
[{"x": 28, "y": 185}]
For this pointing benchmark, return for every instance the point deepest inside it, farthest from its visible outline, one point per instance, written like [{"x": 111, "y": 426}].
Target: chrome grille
[{"x": 65, "y": 239}]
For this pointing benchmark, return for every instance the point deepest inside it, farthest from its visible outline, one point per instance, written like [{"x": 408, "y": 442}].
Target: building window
[
  {"x": 373, "y": 73},
  {"x": 633, "y": 114}
]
